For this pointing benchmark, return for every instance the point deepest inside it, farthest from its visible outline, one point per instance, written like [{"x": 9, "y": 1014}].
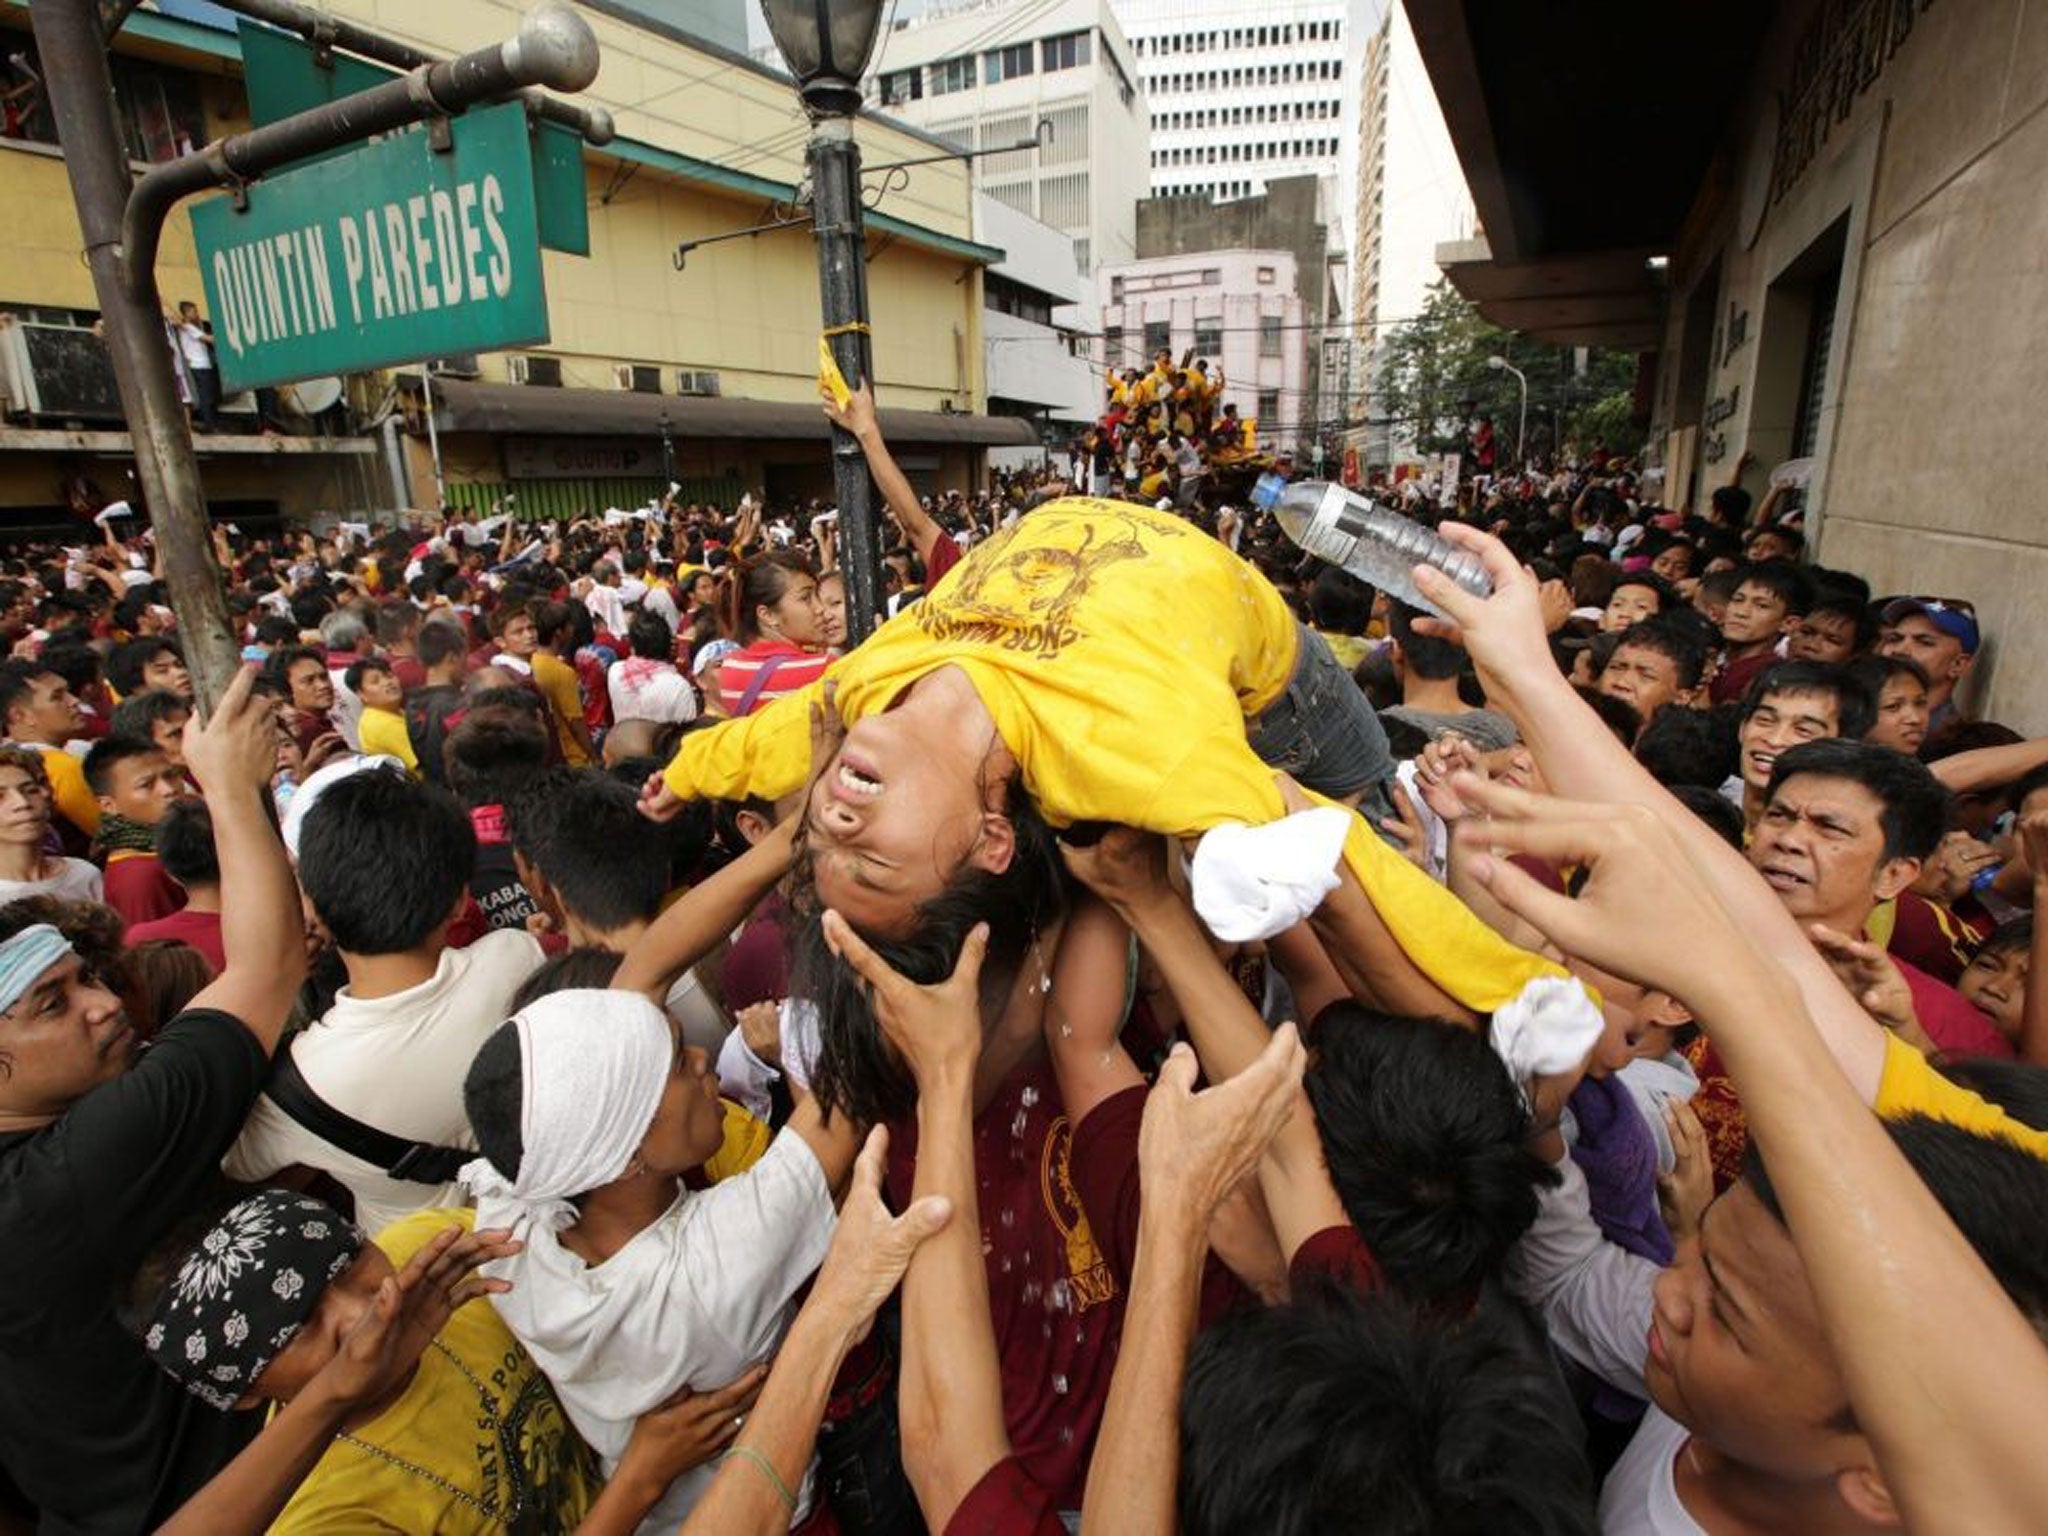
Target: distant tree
[{"x": 1434, "y": 379}]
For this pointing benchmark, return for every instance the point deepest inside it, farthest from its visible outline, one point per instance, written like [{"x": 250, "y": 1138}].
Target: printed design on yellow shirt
[
  {"x": 525, "y": 1458},
  {"x": 1088, "y": 1273},
  {"x": 1024, "y": 599}
]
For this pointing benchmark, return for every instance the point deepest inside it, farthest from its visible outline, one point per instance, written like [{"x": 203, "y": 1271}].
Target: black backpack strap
[{"x": 417, "y": 1162}]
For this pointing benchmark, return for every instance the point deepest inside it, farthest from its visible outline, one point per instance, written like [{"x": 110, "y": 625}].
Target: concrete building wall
[
  {"x": 1242, "y": 307},
  {"x": 1240, "y": 96},
  {"x": 951, "y": 75},
  {"x": 1913, "y": 237}
]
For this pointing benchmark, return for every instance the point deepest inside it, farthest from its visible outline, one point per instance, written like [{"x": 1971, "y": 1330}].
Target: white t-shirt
[
  {"x": 75, "y": 880},
  {"x": 192, "y": 342},
  {"x": 692, "y": 1301},
  {"x": 656, "y": 691},
  {"x": 1640, "y": 1496},
  {"x": 396, "y": 1063}
]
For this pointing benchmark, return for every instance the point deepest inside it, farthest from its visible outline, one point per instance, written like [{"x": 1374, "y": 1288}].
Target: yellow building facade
[{"x": 707, "y": 143}]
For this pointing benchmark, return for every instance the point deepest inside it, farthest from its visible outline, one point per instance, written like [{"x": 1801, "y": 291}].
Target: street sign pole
[
  {"x": 81, "y": 89},
  {"x": 122, "y": 222}
]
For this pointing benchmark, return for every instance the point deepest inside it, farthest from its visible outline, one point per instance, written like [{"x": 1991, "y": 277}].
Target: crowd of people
[
  {"x": 1165, "y": 435},
  {"x": 1157, "y": 1037}
]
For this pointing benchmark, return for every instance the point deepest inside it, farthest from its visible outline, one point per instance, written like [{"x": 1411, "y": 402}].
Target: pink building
[{"x": 1242, "y": 308}]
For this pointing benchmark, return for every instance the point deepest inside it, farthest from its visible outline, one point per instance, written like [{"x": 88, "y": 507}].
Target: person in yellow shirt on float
[{"x": 1095, "y": 662}]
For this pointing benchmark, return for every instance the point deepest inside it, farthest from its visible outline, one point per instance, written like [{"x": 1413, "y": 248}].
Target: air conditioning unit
[
  {"x": 57, "y": 371},
  {"x": 534, "y": 370},
  {"x": 463, "y": 365},
  {"x": 695, "y": 381},
  {"x": 637, "y": 377}
]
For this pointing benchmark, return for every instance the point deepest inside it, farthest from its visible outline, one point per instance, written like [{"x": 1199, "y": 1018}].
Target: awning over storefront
[
  {"x": 1576, "y": 179},
  {"x": 524, "y": 408}
]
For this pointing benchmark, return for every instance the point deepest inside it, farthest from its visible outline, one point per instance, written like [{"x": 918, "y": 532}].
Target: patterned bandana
[{"x": 246, "y": 1290}]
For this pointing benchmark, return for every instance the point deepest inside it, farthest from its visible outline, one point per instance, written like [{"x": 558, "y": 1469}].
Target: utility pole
[{"x": 74, "y": 53}]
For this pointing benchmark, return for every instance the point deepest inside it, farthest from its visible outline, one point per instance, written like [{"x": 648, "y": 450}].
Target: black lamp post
[{"x": 825, "y": 44}]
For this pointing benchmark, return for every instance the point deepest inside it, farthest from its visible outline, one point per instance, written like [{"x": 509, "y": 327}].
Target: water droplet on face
[{"x": 1066, "y": 1030}]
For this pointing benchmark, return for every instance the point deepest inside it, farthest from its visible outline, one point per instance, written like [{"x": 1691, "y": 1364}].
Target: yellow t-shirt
[
  {"x": 73, "y": 797},
  {"x": 557, "y": 683},
  {"x": 383, "y": 730},
  {"x": 1120, "y": 651},
  {"x": 746, "y": 1141},
  {"x": 440, "y": 1426},
  {"x": 1911, "y": 1086}
]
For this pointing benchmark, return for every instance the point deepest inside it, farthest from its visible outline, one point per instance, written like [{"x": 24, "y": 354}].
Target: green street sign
[
  {"x": 283, "y": 75},
  {"x": 387, "y": 254}
]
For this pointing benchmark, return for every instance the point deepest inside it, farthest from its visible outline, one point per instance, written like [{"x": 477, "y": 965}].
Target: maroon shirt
[
  {"x": 1949, "y": 1020},
  {"x": 1055, "y": 1302},
  {"x": 1006, "y": 1502},
  {"x": 138, "y": 888},
  {"x": 199, "y": 929}
]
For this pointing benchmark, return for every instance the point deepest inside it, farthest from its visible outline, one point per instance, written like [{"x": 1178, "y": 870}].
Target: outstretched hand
[
  {"x": 1505, "y": 634},
  {"x": 1195, "y": 1148},
  {"x": 1646, "y": 912},
  {"x": 409, "y": 1310},
  {"x": 872, "y": 1247},
  {"x": 936, "y": 1028},
  {"x": 236, "y": 748}
]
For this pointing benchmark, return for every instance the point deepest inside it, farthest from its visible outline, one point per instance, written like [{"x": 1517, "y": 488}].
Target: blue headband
[{"x": 25, "y": 957}]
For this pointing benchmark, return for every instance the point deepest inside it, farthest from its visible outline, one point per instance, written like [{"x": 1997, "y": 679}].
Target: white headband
[{"x": 593, "y": 1064}]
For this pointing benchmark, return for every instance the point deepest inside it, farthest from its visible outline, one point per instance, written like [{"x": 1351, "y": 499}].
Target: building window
[
  {"x": 1269, "y": 407},
  {"x": 1116, "y": 290},
  {"x": 1208, "y": 336},
  {"x": 902, "y": 85},
  {"x": 1009, "y": 63},
  {"x": 1158, "y": 337},
  {"x": 1265, "y": 274},
  {"x": 1113, "y": 346},
  {"x": 950, "y": 75},
  {"x": 1212, "y": 276},
  {"x": 1269, "y": 335}
]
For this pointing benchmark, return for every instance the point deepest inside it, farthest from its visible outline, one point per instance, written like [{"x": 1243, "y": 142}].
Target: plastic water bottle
[{"x": 1374, "y": 543}]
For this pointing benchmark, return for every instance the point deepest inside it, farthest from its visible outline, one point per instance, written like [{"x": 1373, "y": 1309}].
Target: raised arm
[
  {"x": 1128, "y": 871},
  {"x": 261, "y": 930},
  {"x": 858, "y": 417},
  {"x": 1193, "y": 1150},
  {"x": 950, "y": 1403},
  {"x": 1582, "y": 759},
  {"x": 1948, "y": 1411}
]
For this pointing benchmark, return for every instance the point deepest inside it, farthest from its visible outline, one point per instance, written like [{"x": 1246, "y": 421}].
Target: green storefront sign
[
  {"x": 392, "y": 252},
  {"x": 285, "y": 75}
]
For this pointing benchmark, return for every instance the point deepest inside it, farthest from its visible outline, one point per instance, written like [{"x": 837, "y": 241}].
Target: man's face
[
  {"x": 1768, "y": 545},
  {"x": 169, "y": 736},
  {"x": 1674, "y": 562},
  {"x": 519, "y": 638},
  {"x": 1828, "y": 637},
  {"x": 1645, "y": 679},
  {"x": 1737, "y": 1352},
  {"x": 50, "y": 714},
  {"x": 1995, "y": 984},
  {"x": 1940, "y": 654},
  {"x": 143, "y": 787},
  {"x": 1631, "y": 603},
  {"x": 891, "y": 820},
  {"x": 347, "y": 1299},
  {"x": 312, "y": 689},
  {"x": 1781, "y": 721},
  {"x": 380, "y": 689},
  {"x": 1755, "y": 615},
  {"x": 62, "y": 1038},
  {"x": 165, "y": 671},
  {"x": 24, "y": 807},
  {"x": 1902, "y": 712},
  {"x": 1820, "y": 846}
]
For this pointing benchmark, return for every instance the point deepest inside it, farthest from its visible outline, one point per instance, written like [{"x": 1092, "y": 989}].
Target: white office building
[
  {"x": 1038, "y": 359},
  {"x": 987, "y": 75},
  {"x": 1240, "y": 94},
  {"x": 1412, "y": 198}
]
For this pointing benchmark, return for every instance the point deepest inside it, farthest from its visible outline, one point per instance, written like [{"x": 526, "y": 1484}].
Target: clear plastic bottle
[{"x": 1374, "y": 543}]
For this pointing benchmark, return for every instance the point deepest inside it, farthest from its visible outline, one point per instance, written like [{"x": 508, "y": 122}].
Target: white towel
[
  {"x": 1250, "y": 883},
  {"x": 1547, "y": 1029},
  {"x": 593, "y": 1065}
]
